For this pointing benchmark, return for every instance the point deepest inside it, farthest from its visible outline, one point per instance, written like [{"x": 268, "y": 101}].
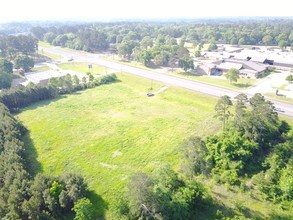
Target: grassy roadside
[
  {"x": 44, "y": 44},
  {"x": 241, "y": 84},
  {"x": 41, "y": 68},
  {"x": 279, "y": 97},
  {"x": 52, "y": 56},
  {"x": 83, "y": 67},
  {"x": 129, "y": 63}
]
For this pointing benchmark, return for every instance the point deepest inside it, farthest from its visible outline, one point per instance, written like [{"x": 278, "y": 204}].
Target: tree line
[
  {"x": 162, "y": 44},
  {"x": 253, "y": 32},
  {"x": 20, "y": 96},
  {"x": 24, "y": 196}
]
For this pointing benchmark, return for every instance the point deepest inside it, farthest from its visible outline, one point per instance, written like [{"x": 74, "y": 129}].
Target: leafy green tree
[
  {"x": 241, "y": 41},
  {"x": 233, "y": 41},
  {"x": 182, "y": 41},
  {"x": 183, "y": 53},
  {"x": 222, "y": 109},
  {"x": 6, "y": 65},
  {"x": 286, "y": 181},
  {"x": 164, "y": 196},
  {"x": 146, "y": 42},
  {"x": 76, "y": 80},
  {"x": 289, "y": 78},
  {"x": 67, "y": 83},
  {"x": 60, "y": 40},
  {"x": 5, "y": 73},
  {"x": 240, "y": 110},
  {"x": 24, "y": 62},
  {"x": 84, "y": 209},
  {"x": 262, "y": 122},
  {"x": 197, "y": 53},
  {"x": 84, "y": 81},
  {"x": 91, "y": 77},
  {"x": 55, "y": 189},
  {"x": 232, "y": 75},
  {"x": 172, "y": 62},
  {"x": 282, "y": 44},
  {"x": 213, "y": 46},
  {"x": 267, "y": 39},
  {"x": 49, "y": 37},
  {"x": 125, "y": 49},
  {"x": 141, "y": 196},
  {"x": 162, "y": 58},
  {"x": 38, "y": 32},
  {"x": 145, "y": 56},
  {"x": 195, "y": 155},
  {"x": 186, "y": 64},
  {"x": 5, "y": 79}
]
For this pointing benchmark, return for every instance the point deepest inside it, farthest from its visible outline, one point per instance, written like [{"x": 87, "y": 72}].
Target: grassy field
[
  {"x": 109, "y": 132},
  {"x": 41, "y": 68},
  {"x": 83, "y": 67}
]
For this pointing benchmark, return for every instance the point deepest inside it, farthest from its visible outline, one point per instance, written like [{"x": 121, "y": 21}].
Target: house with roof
[{"x": 262, "y": 60}]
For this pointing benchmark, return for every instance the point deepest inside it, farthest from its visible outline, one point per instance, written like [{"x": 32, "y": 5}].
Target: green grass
[
  {"x": 52, "y": 56},
  {"x": 41, "y": 68},
  {"x": 241, "y": 84},
  {"x": 128, "y": 63},
  {"x": 282, "y": 87},
  {"x": 44, "y": 44},
  {"x": 81, "y": 132},
  {"x": 279, "y": 97},
  {"x": 247, "y": 203},
  {"x": 83, "y": 67}
]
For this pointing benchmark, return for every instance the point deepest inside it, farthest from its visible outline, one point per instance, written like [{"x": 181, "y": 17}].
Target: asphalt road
[{"x": 78, "y": 56}]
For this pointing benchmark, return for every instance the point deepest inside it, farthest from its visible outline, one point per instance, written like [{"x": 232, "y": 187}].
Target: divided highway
[{"x": 286, "y": 108}]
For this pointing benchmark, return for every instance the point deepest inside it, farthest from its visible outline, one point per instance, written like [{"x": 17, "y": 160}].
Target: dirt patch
[
  {"x": 116, "y": 153},
  {"x": 109, "y": 166}
]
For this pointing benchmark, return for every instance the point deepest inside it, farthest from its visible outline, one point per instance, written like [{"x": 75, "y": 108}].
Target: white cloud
[{"x": 74, "y": 9}]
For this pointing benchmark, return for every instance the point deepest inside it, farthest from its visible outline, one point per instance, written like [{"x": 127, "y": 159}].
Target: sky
[{"x": 27, "y": 10}]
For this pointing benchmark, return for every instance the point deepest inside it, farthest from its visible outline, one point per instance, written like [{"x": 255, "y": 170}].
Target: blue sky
[{"x": 22, "y": 10}]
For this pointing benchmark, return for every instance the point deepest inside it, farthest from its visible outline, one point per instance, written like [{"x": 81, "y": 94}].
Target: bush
[{"x": 84, "y": 209}]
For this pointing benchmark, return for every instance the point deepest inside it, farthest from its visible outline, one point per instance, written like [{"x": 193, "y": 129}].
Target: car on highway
[{"x": 279, "y": 110}]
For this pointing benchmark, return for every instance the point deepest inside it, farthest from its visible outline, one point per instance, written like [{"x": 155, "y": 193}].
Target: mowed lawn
[
  {"x": 110, "y": 132},
  {"x": 83, "y": 67}
]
